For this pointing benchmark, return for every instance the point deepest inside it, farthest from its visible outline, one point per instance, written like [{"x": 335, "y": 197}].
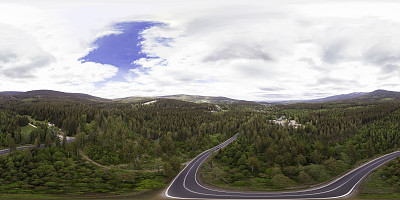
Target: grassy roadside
[
  {"x": 30, "y": 196},
  {"x": 257, "y": 184},
  {"x": 152, "y": 195},
  {"x": 27, "y": 129},
  {"x": 376, "y": 187}
]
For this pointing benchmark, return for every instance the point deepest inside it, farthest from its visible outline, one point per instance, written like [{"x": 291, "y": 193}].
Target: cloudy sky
[{"x": 253, "y": 50}]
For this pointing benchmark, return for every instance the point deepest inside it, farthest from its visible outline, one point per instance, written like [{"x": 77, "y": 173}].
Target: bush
[
  {"x": 283, "y": 181},
  {"x": 238, "y": 176},
  {"x": 149, "y": 184},
  {"x": 304, "y": 177},
  {"x": 317, "y": 172},
  {"x": 241, "y": 183},
  {"x": 51, "y": 184},
  {"x": 335, "y": 166},
  {"x": 290, "y": 171}
]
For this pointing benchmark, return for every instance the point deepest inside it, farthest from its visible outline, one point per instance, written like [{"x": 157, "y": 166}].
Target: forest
[
  {"x": 332, "y": 138},
  {"x": 384, "y": 183},
  {"x": 123, "y": 146},
  {"x": 143, "y": 145}
]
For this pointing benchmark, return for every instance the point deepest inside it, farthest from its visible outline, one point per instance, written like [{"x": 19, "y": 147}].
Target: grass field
[
  {"x": 30, "y": 196},
  {"x": 27, "y": 128},
  {"x": 149, "y": 195},
  {"x": 375, "y": 187}
]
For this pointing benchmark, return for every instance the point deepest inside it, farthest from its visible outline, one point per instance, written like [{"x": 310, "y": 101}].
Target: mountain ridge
[
  {"x": 337, "y": 97},
  {"x": 201, "y": 99},
  {"x": 355, "y": 96},
  {"x": 51, "y": 94},
  {"x": 375, "y": 95}
]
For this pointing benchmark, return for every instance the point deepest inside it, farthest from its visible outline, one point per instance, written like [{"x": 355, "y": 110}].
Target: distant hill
[
  {"x": 379, "y": 95},
  {"x": 50, "y": 94},
  {"x": 135, "y": 99},
  {"x": 201, "y": 99},
  {"x": 184, "y": 97},
  {"x": 8, "y": 94},
  {"x": 337, "y": 97},
  {"x": 357, "y": 96}
]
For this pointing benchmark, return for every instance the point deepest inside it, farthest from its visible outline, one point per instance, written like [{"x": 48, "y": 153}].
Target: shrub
[
  {"x": 317, "y": 172},
  {"x": 149, "y": 184},
  {"x": 51, "y": 184},
  {"x": 283, "y": 181}
]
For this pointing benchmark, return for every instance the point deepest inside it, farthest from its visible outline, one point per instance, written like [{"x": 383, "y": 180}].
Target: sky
[{"x": 261, "y": 50}]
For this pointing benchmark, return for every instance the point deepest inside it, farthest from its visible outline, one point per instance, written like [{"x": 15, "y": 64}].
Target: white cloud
[
  {"x": 19, "y": 54},
  {"x": 258, "y": 50},
  {"x": 38, "y": 52},
  {"x": 241, "y": 55}
]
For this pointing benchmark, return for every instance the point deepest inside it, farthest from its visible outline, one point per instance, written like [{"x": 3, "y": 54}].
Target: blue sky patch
[{"x": 121, "y": 50}]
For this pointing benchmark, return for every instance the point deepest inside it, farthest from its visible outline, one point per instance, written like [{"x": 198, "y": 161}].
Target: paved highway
[{"x": 186, "y": 185}]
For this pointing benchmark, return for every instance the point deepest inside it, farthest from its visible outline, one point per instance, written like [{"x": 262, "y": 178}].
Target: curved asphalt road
[{"x": 186, "y": 185}]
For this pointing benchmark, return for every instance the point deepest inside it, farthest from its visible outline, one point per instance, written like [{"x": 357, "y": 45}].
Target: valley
[{"x": 121, "y": 146}]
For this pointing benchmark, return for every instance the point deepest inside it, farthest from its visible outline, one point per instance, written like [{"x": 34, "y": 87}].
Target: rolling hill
[
  {"x": 201, "y": 99},
  {"x": 188, "y": 98},
  {"x": 50, "y": 94},
  {"x": 377, "y": 95},
  {"x": 337, "y": 97}
]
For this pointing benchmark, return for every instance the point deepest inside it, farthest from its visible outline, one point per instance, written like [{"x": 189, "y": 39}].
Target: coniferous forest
[
  {"x": 333, "y": 138},
  {"x": 137, "y": 147},
  {"x": 133, "y": 146}
]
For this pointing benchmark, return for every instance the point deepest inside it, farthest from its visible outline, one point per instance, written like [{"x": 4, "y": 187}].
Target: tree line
[{"x": 333, "y": 137}]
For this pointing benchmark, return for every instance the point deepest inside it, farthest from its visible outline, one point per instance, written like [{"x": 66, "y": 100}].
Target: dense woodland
[
  {"x": 391, "y": 174},
  {"x": 53, "y": 170},
  {"x": 144, "y": 139},
  {"x": 332, "y": 139},
  {"x": 384, "y": 183},
  {"x": 143, "y": 146}
]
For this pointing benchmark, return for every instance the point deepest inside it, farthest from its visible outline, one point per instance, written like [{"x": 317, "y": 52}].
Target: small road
[
  {"x": 6, "y": 151},
  {"x": 186, "y": 185}
]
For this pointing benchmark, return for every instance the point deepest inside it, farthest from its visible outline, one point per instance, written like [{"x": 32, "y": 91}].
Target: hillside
[
  {"x": 355, "y": 96},
  {"x": 144, "y": 145},
  {"x": 188, "y": 98},
  {"x": 50, "y": 94},
  {"x": 337, "y": 97},
  {"x": 8, "y": 94},
  {"x": 201, "y": 99},
  {"x": 135, "y": 99},
  {"x": 379, "y": 95}
]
